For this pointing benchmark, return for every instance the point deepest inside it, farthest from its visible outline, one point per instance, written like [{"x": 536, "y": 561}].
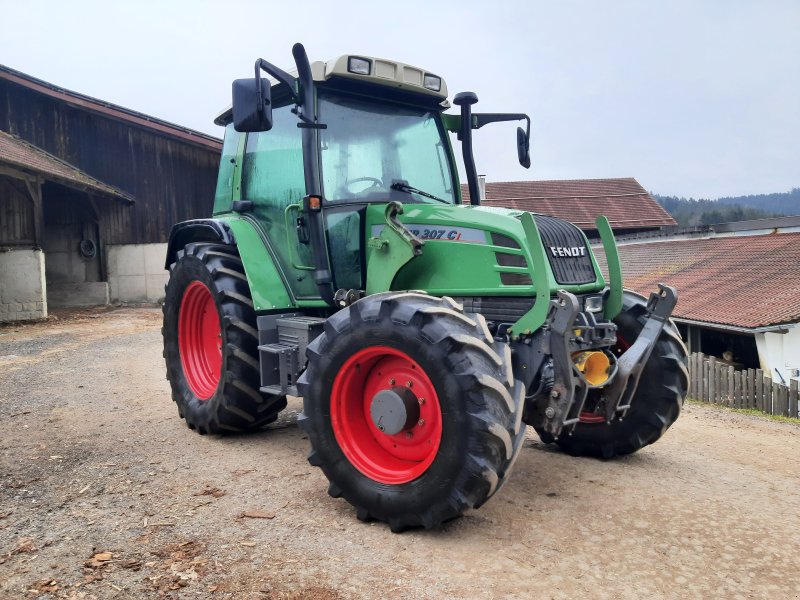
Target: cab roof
[{"x": 379, "y": 71}]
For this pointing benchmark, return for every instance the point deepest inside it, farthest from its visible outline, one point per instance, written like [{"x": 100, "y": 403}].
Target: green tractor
[{"x": 422, "y": 333}]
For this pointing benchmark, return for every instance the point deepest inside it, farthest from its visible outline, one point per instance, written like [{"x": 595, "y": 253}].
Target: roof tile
[
  {"x": 624, "y": 201},
  {"x": 25, "y": 156},
  {"x": 745, "y": 281}
]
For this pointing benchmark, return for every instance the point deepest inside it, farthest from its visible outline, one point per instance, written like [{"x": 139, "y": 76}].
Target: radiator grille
[{"x": 559, "y": 236}]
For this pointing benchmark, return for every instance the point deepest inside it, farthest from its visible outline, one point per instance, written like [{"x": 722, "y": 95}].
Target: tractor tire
[
  {"x": 211, "y": 343},
  {"x": 463, "y": 424},
  {"x": 658, "y": 400}
]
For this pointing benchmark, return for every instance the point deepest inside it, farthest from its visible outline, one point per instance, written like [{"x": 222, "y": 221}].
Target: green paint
[
  {"x": 459, "y": 268},
  {"x": 388, "y": 253},
  {"x": 614, "y": 302},
  {"x": 452, "y": 122},
  {"x": 536, "y": 316},
  {"x": 266, "y": 284}
]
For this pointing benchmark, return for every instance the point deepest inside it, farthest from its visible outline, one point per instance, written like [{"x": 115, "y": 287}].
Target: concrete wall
[
  {"x": 136, "y": 272},
  {"x": 780, "y": 351},
  {"x": 23, "y": 291}
]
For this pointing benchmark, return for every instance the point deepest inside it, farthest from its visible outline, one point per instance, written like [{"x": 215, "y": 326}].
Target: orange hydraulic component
[{"x": 594, "y": 365}]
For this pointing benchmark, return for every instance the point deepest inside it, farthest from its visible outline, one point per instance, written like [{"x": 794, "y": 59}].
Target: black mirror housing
[
  {"x": 252, "y": 107},
  {"x": 523, "y": 148}
]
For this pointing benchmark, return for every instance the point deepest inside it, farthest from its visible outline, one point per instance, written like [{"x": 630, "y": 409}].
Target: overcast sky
[{"x": 691, "y": 98}]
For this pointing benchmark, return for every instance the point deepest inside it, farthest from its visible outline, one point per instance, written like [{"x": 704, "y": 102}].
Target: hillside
[
  {"x": 786, "y": 203},
  {"x": 690, "y": 212}
]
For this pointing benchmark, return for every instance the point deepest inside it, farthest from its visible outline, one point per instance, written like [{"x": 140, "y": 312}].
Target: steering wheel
[{"x": 376, "y": 183}]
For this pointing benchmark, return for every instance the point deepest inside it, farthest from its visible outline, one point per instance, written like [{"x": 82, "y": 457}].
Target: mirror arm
[
  {"x": 481, "y": 119},
  {"x": 279, "y": 74}
]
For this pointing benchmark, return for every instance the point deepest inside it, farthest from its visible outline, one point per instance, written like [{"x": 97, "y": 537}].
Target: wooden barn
[{"x": 88, "y": 193}]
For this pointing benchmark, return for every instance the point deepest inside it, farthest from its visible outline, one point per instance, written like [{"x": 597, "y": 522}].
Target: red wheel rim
[
  {"x": 391, "y": 459},
  {"x": 200, "y": 340}
]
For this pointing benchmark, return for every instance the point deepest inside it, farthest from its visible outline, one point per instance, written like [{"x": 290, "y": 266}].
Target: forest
[{"x": 690, "y": 212}]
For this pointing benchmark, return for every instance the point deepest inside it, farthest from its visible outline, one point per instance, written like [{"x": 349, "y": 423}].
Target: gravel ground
[{"x": 105, "y": 493}]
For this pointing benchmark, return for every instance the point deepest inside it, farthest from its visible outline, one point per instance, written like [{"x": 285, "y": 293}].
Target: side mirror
[
  {"x": 523, "y": 148},
  {"x": 252, "y": 105}
]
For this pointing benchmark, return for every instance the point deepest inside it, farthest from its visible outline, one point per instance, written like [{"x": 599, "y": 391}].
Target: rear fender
[
  {"x": 197, "y": 230},
  {"x": 267, "y": 288}
]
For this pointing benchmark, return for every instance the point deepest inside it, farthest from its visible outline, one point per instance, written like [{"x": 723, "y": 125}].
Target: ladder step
[
  {"x": 277, "y": 348},
  {"x": 300, "y": 321},
  {"x": 276, "y": 390}
]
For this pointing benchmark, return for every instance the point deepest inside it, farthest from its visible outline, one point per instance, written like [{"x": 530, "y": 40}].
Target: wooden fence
[{"x": 711, "y": 380}]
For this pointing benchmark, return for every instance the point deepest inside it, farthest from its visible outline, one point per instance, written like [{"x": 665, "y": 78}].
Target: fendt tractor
[{"x": 423, "y": 333}]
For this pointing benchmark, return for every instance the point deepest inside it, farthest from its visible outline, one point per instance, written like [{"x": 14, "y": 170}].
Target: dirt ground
[{"x": 105, "y": 493}]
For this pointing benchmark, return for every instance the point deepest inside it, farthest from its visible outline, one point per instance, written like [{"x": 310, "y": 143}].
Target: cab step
[{"x": 282, "y": 350}]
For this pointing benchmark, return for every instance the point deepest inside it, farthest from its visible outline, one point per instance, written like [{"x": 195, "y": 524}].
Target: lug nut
[
  {"x": 391, "y": 381},
  {"x": 421, "y": 401},
  {"x": 549, "y": 412},
  {"x": 409, "y": 384},
  {"x": 421, "y": 422},
  {"x": 409, "y": 435},
  {"x": 554, "y": 394}
]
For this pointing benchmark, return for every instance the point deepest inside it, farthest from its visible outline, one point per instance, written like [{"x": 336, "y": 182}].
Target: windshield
[{"x": 378, "y": 151}]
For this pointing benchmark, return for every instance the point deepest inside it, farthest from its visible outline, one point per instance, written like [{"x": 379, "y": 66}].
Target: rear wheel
[
  {"x": 211, "y": 343},
  {"x": 656, "y": 404},
  {"x": 411, "y": 409}
]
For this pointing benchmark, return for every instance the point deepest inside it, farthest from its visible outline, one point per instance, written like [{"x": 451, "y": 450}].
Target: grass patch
[{"x": 747, "y": 411}]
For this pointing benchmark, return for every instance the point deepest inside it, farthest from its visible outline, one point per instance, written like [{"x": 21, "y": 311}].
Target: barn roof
[
  {"x": 624, "y": 201},
  {"x": 110, "y": 110},
  {"x": 747, "y": 281},
  {"x": 23, "y": 156}
]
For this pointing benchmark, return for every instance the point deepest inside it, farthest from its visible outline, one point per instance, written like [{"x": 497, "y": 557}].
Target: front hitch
[
  {"x": 621, "y": 390},
  {"x": 561, "y": 407}
]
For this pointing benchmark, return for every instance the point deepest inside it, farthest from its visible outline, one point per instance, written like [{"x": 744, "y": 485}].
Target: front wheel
[
  {"x": 211, "y": 343},
  {"x": 411, "y": 409}
]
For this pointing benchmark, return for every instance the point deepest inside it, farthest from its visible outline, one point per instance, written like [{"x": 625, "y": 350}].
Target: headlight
[
  {"x": 359, "y": 66},
  {"x": 593, "y": 304},
  {"x": 432, "y": 82}
]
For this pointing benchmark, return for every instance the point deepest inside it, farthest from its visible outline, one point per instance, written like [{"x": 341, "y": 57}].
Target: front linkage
[{"x": 558, "y": 388}]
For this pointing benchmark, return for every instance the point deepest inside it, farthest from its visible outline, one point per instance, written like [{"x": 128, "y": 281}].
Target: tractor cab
[{"x": 316, "y": 170}]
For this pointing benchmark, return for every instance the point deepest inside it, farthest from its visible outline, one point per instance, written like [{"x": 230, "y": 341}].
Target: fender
[
  {"x": 266, "y": 284},
  {"x": 197, "y": 230}
]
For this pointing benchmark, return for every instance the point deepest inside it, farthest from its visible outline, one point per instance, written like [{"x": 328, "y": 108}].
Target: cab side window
[{"x": 273, "y": 178}]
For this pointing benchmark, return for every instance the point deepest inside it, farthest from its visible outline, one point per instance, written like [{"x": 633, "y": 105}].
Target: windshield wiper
[{"x": 402, "y": 186}]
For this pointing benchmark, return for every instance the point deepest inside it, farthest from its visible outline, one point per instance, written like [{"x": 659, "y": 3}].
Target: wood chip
[
  {"x": 131, "y": 563},
  {"x": 256, "y": 514},
  {"x": 103, "y": 556},
  {"x": 211, "y": 491}
]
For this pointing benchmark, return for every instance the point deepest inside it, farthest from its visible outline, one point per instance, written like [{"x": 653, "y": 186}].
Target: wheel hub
[{"x": 394, "y": 410}]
